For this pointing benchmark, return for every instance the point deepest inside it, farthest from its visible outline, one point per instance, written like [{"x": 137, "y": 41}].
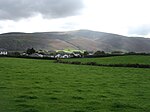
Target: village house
[
  {"x": 36, "y": 55},
  {"x": 3, "y": 51},
  {"x": 62, "y": 56},
  {"x": 77, "y": 54}
]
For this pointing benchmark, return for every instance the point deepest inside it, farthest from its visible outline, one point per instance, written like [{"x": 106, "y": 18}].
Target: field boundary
[
  {"x": 105, "y": 65},
  {"x": 27, "y": 57}
]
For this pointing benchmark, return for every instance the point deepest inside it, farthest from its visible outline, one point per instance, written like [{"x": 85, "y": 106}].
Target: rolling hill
[{"x": 79, "y": 39}]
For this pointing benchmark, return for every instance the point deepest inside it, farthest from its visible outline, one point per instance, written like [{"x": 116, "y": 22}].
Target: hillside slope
[{"x": 79, "y": 39}]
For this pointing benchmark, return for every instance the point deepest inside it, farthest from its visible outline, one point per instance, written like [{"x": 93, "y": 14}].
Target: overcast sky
[{"x": 125, "y": 17}]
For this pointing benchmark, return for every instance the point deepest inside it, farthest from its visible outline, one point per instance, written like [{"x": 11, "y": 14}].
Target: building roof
[{"x": 2, "y": 49}]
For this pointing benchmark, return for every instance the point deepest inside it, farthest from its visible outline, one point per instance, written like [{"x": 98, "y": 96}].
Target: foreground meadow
[{"x": 28, "y": 85}]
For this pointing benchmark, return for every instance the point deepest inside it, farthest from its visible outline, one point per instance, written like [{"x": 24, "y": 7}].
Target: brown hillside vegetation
[{"x": 80, "y": 39}]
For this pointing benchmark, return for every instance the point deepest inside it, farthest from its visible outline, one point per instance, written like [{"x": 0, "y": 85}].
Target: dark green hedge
[{"x": 107, "y": 65}]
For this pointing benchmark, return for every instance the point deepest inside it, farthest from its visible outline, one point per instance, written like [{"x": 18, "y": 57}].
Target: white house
[
  {"x": 76, "y": 54},
  {"x": 3, "y": 52},
  {"x": 62, "y": 56},
  {"x": 36, "y": 55},
  {"x": 58, "y": 56},
  {"x": 65, "y": 56}
]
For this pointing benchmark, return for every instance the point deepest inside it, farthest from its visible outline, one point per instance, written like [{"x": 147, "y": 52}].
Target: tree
[
  {"x": 86, "y": 53},
  {"x": 98, "y": 53},
  {"x": 30, "y": 51},
  {"x": 117, "y": 52}
]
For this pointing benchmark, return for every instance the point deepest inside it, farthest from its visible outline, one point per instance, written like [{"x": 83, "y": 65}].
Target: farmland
[{"x": 28, "y": 85}]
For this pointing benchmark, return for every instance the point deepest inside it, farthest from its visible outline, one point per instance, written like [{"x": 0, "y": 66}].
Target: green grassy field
[
  {"x": 28, "y": 85},
  {"x": 132, "y": 59}
]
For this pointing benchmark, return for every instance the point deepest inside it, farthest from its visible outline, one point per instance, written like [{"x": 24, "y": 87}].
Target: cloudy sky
[{"x": 125, "y": 17}]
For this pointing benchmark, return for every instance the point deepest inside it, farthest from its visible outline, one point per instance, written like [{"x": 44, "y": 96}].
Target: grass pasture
[{"x": 28, "y": 85}]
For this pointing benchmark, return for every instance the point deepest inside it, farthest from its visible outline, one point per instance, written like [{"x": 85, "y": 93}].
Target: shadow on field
[
  {"x": 28, "y": 97},
  {"x": 22, "y": 103},
  {"x": 118, "y": 106}
]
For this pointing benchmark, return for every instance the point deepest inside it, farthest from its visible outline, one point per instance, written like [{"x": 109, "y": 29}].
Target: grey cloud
[
  {"x": 16, "y": 9},
  {"x": 140, "y": 30}
]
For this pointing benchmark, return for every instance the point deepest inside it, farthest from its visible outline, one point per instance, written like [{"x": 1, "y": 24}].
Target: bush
[
  {"x": 91, "y": 63},
  {"x": 76, "y": 62},
  {"x": 30, "y": 51}
]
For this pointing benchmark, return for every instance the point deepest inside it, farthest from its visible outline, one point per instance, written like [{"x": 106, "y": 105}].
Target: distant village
[{"x": 66, "y": 53}]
